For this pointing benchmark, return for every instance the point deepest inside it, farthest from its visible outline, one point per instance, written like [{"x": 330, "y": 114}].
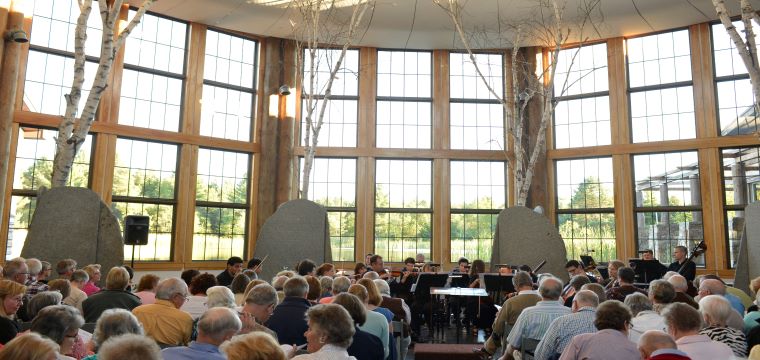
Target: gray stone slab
[
  {"x": 296, "y": 231},
  {"x": 749, "y": 248},
  {"x": 74, "y": 223},
  {"x": 524, "y": 237}
]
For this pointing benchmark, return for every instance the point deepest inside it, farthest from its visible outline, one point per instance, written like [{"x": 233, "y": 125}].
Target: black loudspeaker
[{"x": 136, "y": 230}]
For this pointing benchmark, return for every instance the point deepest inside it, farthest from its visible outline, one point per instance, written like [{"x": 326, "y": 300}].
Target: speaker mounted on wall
[{"x": 136, "y": 229}]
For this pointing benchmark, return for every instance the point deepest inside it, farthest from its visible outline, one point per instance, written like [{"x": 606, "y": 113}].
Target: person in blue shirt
[{"x": 215, "y": 326}]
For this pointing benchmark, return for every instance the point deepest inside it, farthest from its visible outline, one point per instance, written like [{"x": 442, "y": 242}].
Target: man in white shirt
[{"x": 644, "y": 318}]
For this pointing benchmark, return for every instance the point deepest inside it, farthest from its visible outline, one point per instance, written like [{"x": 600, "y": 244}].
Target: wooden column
[
  {"x": 440, "y": 243},
  {"x": 8, "y": 85},
  {"x": 286, "y": 161},
  {"x": 365, "y": 165}
]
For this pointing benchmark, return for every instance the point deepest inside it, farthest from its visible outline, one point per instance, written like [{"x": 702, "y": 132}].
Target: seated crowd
[{"x": 316, "y": 312}]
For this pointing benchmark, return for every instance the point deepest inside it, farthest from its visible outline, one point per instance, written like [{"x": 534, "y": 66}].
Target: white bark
[
  {"x": 316, "y": 31},
  {"x": 745, "y": 46},
  {"x": 73, "y": 130}
]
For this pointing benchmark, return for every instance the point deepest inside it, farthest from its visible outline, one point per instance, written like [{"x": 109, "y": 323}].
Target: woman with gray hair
[
  {"x": 715, "y": 310},
  {"x": 113, "y": 322},
  {"x": 59, "y": 323},
  {"x": 330, "y": 332},
  {"x": 41, "y": 300},
  {"x": 644, "y": 316}
]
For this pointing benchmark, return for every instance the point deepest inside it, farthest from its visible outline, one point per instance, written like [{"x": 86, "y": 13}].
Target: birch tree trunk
[{"x": 72, "y": 131}]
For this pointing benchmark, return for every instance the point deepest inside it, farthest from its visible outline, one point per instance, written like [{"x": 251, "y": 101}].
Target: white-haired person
[
  {"x": 113, "y": 323},
  {"x": 163, "y": 321},
  {"x": 683, "y": 323},
  {"x": 329, "y": 335},
  {"x": 215, "y": 326},
  {"x": 253, "y": 346},
  {"x": 715, "y": 311},
  {"x": 130, "y": 347},
  {"x": 30, "y": 346},
  {"x": 61, "y": 324}
]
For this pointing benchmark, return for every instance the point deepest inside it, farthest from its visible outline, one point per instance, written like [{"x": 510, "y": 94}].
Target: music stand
[
  {"x": 459, "y": 280},
  {"x": 646, "y": 270},
  {"x": 587, "y": 260},
  {"x": 425, "y": 281},
  {"x": 496, "y": 284}
]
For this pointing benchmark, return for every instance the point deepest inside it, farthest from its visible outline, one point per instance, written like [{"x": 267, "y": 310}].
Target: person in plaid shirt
[{"x": 34, "y": 286}]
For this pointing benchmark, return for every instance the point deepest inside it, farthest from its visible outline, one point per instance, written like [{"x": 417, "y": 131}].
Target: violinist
[
  {"x": 377, "y": 265},
  {"x": 359, "y": 270},
  {"x": 403, "y": 287},
  {"x": 689, "y": 269},
  {"x": 612, "y": 269}
]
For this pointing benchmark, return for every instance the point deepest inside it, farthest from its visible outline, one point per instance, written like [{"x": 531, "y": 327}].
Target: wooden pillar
[
  {"x": 365, "y": 166},
  {"x": 8, "y": 85},
  {"x": 287, "y": 122}
]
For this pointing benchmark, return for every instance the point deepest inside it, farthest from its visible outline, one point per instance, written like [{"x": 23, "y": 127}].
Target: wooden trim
[
  {"x": 192, "y": 101},
  {"x": 710, "y": 179},
  {"x": 619, "y": 119},
  {"x": 441, "y": 212},
  {"x": 367, "y": 103},
  {"x": 22, "y": 62},
  {"x": 656, "y": 146},
  {"x": 253, "y": 197},
  {"x": 625, "y": 220},
  {"x": 51, "y": 121},
  {"x": 704, "y": 84},
  {"x": 441, "y": 130},
  {"x": 409, "y": 153},
  {"x": 6, "y": 208},
  {"x": 185, "y": 214},
  {"x": 102, "y": 166},
  {"x": 365, "y": 208}
]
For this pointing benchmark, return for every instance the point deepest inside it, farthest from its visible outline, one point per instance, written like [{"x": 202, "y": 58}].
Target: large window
[
  {"x": 478, "y": 193},
  {"x": 144, "y": 184},
  {"x": 668, "y": 204},
  {"x": 660, "y": 86},
  {"x": 229, "y": 88},
  {"x": 154, "y": 71},
  {"x": 34, "y": 170},
  {"x": 581, "y": 88},
  {"x": 736, "y": 111},
  {"x": 221, "y": 206},
  {"x": 339, "y": 125},
  {"x": 404, "y": 100},
  {"x": 333, "y": 185},
  {"x": 741, "y": 186},
  {"x": 476, "y": 116},
  {"x": 586, "y": 207},
  {"x": 403, "y": 208}
]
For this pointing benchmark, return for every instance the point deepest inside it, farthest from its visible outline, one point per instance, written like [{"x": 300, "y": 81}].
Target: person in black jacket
[
  {"x": 234, "y": 266},
  {"x": 364, "y": 346},
  {"x": 115, "y": 295},
  {"x": 690, "y": 270},
  {"x": 288, "y": 319}
]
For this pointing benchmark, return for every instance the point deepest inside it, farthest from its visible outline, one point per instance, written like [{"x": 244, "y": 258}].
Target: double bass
[{"x": 698, "y": 250}]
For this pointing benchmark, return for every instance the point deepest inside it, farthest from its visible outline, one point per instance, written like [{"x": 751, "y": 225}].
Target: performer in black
[{"x": 689, "y": 269}]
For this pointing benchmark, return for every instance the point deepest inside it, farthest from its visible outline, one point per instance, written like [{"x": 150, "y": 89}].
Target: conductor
[{"x": 689, "y": 269}]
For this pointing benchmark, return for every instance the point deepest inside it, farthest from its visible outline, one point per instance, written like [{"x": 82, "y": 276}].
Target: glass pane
[
  {"x": 659, "y": 59},
  {"x": 159, "y": 245},
  {"x": 402, "y": 235},
  {"x": 157, "y": 43},
  {"x": 230, "y": 59},
  {"x": 582, "y": 122},
  {"x": 22, "y": 209},
  {"x": 470, "y": 85},
  {"x": 670, "y": 179},
  {"x": 472, "y": 236},
  {"x": 404, "y": 74},
  {"x": 476, "y": 126},
  {"x": 727, "y": 59},
  {"x": 478, "y": 185},
  {"x": 346, "y": 80},
  {"x": 663, "y": 231},
  {"x": 585, "y": 184},
  {"x": 150, "y": 101},
  {"x": 581, "y": 71},
  {"x": 403, "y": 124},
  {"x": 226, "y": 113},
  {"x": 332, "y": 182},
  {"x": 403, "y": 184},
  {"x": 34, "y": 160},
  {"x": 342, "y": 234},
  {"x": 339, "y": 124},
  {"x": 222, "y": 176},
  {"x": 741, "y": 175},
  {"x": 666, "y": 114},
  {"x": 736, "y": 110},
  {"x": 144, "y": 169},
  {"x": 588, "y": 234},
  {"x": 49, "y": 78},
  {"x": 219, "y": 233},
  {"x": 54, "y": 24}
]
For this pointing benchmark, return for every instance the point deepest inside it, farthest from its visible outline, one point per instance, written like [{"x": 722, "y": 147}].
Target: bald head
[
  {"x": 679, "y": 283},
  {"x": 217, "y": 325},
  {"x": 550, "y": 288},
  {"x": 586, "y": 298},
  {"x": 712, "y": 287},
  {"x": 653, "y": 340}
]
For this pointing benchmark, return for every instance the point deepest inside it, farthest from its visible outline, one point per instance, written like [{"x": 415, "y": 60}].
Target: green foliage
[{"x": 594, "y": 231}]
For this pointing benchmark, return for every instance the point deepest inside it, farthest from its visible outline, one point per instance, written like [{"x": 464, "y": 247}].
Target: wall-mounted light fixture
[
  {"x": 16, "y": 35},
  {"x": 284, "y": 90}
]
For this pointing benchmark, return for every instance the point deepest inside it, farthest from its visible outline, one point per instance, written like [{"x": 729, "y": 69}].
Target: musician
[
  {"x": 689, "y": 269},
  {"x": 420, "y": 258},
  {"x": 377, "y": 265},
  {"x": 612, "y": 270},
  {"x": 648, "y": 254},
  {"x": 575, "y": 267},
  {"x": 359, "y": 270},
  {"x": 463, "y": 266}
]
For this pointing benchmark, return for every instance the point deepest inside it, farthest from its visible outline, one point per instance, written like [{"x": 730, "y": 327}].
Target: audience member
[
  {"x": 11, "y": 295},
  {"x": 340, "y": 285},
  {"x": 288, "y": 319},
  {"x": 626, "y": 277},
  {"x": 533, "y": 321},
  {"x": 188, "y": 275},
  {"x": 681, "y": 286},
  {"x": 115, "y": 295},
  {"x": 93, "y": 271},
  {"x": 129, "y": 347},
  {"x": 238, "y": 286},
  {"x": 59, "y": 323},
  {"x": 657, "y": 345},
  {"x": 315, "y": 289},
  {"x": 326, "y": 269},
  {"x": 710, "y": 286},
  {"x": 215, "y": 326},
  {"x": 661, "y": 293},
  {"x": 41, "y": 301},
  {"x": 325, "y": 283},
  {"x": 196, "y": 302},
  {"x": 683, "y": 323},
  {"x": 163, "y": 321},
  {"x": 644, "y": 317},
  {"x": 146, "y": 288},
  {"x": 306, "y": 267},
  {"x": 253, "y": 346},
  {"x": 715, "y": 311},
  {"x": 597, "y": 289},
  {"x": 65, "y": 268},
  {"x": 33, "y": 285},
  {"x": 220, "y": 296},
  {"x": 401, "y": 313},
  {"x": 30, "y": 346},
  {"x": 113, "y": 323},
  {"x": 525, "y": 297},
  {"x": 364, "y": 345},
  {"x": 234, "y": 266},
  {"x": 564, "y": 328},
  {"x": 370, "y": 275},
  {"x": 44, "y": 275},
  {"x": 575, "y": 285},
  {"x": 375, "y": 323},
  {"x": 611, "y": 341},
  {"x": 329, "y": 334},
  {"x": 62, "y": 286},
  {"x": 260, "y": 303},
  {"x": 76, "y": 296},
  {"x": 751, "y": 319}
]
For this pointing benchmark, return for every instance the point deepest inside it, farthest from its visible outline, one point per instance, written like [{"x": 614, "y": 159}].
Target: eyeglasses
[{"x": 70, "y": 336}]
